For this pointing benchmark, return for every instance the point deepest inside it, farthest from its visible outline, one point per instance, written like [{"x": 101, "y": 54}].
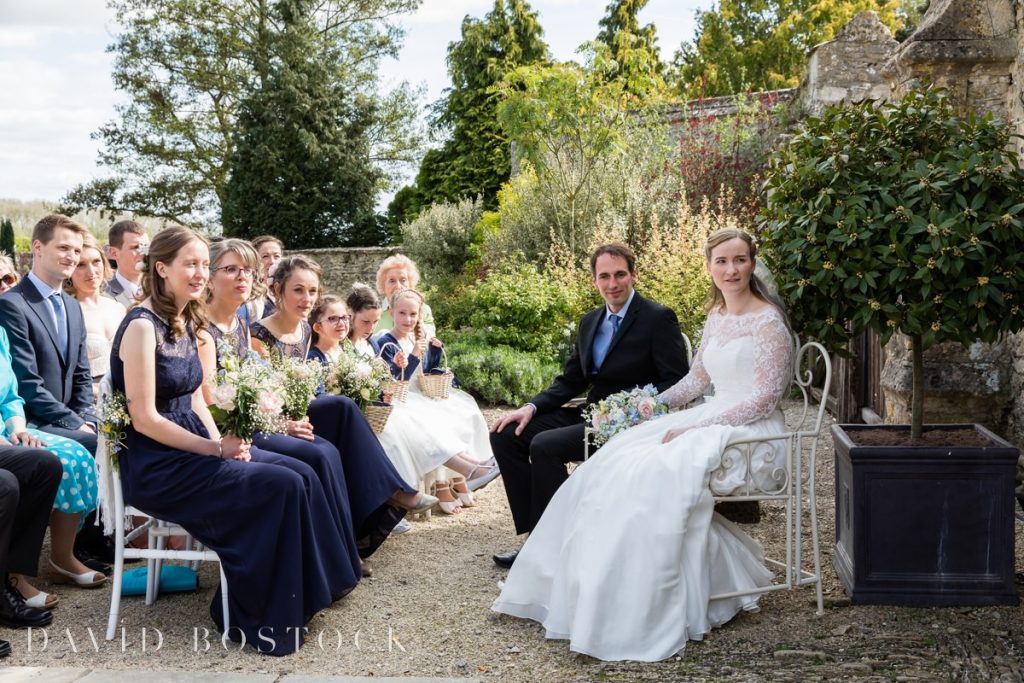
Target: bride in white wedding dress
[{"x": 628, "y": 553}]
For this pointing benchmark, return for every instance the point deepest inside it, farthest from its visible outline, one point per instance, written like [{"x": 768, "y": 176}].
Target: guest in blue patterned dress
[
  {"x": 76, "y": 495},
  {"x": 378, "y": 495},
  {"x": 270, "y": 524},
  {"x": 233, "y": 265}
]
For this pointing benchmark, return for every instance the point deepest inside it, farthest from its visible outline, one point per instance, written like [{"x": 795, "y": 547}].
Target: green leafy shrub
[
  {"x": 440, "y": 239},
  {"x": 519, "y": 307},
  {"x": 499, "y": 374},
  {"x": 904, "y": 217}
]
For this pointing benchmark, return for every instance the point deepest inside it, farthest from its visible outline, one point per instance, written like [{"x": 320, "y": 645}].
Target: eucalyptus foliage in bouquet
[
  {"x": 114, "y": 419},
  {"x": 245, "y": 397},
  {"x": 901, "y": 217},
  {"x": 299, "y": 380},
  {"x": 623, "y": 410},
  {"x": 360, "y": 377}
]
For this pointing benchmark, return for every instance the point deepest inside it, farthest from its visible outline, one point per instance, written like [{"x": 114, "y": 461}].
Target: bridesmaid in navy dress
[
  {"x": 269, "y": 523},
  {"x": 233, "y": 265},
  {"x": 378, "y": 495}
]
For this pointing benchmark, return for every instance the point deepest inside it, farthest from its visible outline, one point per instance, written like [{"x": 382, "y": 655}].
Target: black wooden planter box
[{"x": 925, "y": 525}]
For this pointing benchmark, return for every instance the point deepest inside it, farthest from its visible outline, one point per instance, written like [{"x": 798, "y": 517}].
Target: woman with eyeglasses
[
  {"x": 102, "y": 314},
  {"x": 8, "y": 273},
  {"x": 233, "y": 267}
]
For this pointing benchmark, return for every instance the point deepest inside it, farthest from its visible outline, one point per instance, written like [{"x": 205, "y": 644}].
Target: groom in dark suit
[{"x": 629, "y": 342}]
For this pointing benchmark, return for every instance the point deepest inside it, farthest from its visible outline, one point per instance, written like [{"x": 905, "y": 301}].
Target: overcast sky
[{"x": 55, "y": 86}]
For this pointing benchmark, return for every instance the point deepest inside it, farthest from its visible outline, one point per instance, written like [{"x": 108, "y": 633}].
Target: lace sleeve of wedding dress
[
  {"x": 697, "y": 379},
  {"x": 772, "y": 370}
]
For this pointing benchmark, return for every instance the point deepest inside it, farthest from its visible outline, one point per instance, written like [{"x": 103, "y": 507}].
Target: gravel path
[{"x": 433, "y": 586}]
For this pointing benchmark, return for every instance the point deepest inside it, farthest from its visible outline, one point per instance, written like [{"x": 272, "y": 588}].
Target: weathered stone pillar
[
  {"x": 969, "y": 48},
  {"x": 851, "y": 67}
]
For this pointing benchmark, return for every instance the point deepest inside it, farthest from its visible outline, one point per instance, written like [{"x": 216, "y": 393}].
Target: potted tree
[{"x": 907, "y": 217}]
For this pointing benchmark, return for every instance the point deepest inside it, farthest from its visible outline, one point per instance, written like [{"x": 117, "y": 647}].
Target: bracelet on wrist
[{"x": 220, "y": 448}]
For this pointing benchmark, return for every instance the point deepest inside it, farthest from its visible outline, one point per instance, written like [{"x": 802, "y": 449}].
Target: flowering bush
[
  {"x": 114, "y": 419},
  {"x": 360, "y": 377},
  {"x": 300, "y": 379},
  {"x": 623, "y": 410},
  {"x": 244, "y": 397},
  {"x": 904, "y": 217}
]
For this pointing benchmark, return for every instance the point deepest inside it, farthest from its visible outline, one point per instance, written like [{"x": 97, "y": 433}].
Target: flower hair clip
[{"x": 144, "y": 254}]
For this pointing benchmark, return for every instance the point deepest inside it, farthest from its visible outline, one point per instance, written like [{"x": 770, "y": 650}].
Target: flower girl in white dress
[
  {"x": 627, "y": 576},
  {"x": 450, "y": 431}
]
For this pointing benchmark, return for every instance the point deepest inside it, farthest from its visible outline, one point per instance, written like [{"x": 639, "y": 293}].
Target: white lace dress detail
[{"x": 772, "y": 367}]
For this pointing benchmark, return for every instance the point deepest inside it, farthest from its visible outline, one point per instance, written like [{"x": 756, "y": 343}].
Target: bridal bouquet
[
  {"x": 299, "y": 381},
  {"x": 623, "y": 410},
  {"x": 245, "y": 400},
  {"x": 113, "y": 414},
  {"x": 361, "y": 378}
]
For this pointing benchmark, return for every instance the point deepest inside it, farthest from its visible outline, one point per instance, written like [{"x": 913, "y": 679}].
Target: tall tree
[
  {"x": 301, "y": 167},
  {"x": 184, "y": 67},
  {"x": 760, "y": 45},
  {"x": 634, "y": 48},
  {"x": 7, "y": 237},
  {"x": 475, "y": 158}
]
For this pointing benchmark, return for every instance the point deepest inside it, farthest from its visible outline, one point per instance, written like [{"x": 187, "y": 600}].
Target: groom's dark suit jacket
[
  {"x": 647, "y": 349},
  {"x": 57, "y": 387}
]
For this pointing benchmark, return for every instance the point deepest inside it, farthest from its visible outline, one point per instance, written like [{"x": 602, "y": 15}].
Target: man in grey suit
[{"x": 126, "y": 242}]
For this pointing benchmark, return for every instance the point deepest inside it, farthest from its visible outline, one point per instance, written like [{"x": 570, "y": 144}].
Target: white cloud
[{"x": 75, "y": 14}]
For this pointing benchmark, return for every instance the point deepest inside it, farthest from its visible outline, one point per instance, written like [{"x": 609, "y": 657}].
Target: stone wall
[
  {"x": 344, "y": 265},
  {"x": 850, "y": 68}
]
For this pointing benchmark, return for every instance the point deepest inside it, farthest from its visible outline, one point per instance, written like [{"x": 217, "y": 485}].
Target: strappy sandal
[
  {"x": 482, "y": 475},
  {"x": 461, "y": 491},
  {"x": 449, "y": 507}
]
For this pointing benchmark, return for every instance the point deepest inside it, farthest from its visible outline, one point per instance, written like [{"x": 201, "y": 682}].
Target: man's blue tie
[
  {"x": 62, "y": 323},
  {"x": 601, "y": 350}
]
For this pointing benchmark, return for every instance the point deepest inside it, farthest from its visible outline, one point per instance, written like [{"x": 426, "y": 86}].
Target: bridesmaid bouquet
[
  {"x": 623, "y": 410},
  {"x": 114, "y": 419},
  {"x": 245, "y": 400},
  {"x": 361, "y": 378},
  {"x": 299, "y": 380}
]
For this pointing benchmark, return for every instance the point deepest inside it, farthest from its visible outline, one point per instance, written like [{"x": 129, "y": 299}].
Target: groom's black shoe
[{"x": 505, "y": 560}]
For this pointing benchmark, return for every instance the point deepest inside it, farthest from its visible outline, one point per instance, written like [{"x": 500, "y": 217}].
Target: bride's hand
[{"x": 673, "y": 433}]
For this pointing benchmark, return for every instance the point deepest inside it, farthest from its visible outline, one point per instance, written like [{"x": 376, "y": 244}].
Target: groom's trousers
[{"x": 533, "y": 464}]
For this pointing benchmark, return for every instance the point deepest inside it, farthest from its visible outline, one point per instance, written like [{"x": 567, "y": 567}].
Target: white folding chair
[{"x": 114, "y": 512}]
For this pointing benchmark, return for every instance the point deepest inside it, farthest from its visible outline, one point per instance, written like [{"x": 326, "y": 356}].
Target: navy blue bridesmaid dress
[
  {"x": 319, "y": 453},
  {"x": 269, "y": 523},
  {"x": 372, "y": 479}
]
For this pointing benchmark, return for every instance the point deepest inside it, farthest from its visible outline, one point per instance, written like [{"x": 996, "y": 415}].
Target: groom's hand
[{"x": 521, "y": 417}]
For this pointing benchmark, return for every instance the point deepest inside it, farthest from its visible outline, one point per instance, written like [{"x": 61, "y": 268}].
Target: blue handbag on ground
[{"x": 174, "y": 578}]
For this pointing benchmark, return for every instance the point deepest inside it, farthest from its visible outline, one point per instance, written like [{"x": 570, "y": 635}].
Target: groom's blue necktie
[{"x": 603, "y": 340}]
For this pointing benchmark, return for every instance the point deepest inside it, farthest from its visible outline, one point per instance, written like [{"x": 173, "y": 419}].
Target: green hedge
[{"x": 499, "y": 374}]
